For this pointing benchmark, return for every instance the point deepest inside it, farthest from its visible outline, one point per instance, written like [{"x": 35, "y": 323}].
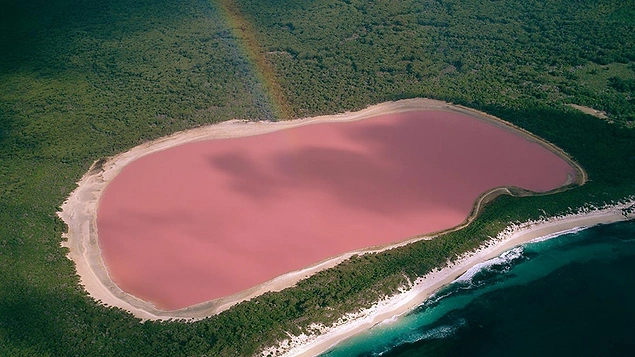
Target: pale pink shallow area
[{"x": 209, "y": 219}]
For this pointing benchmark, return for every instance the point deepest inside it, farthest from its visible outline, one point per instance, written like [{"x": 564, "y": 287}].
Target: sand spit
[
  {"x": 79, "y": 210},
  {"x": 323, "y": 338}
]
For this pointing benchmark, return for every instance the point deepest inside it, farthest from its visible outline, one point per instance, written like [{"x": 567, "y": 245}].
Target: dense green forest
[
  {"x": 336, "y": 55},
  {"x": 82, "y": 80}
]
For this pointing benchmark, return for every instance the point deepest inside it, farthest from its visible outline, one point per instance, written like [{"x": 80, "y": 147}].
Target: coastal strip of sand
[
  {"x": 324, "y": 338},
  {"x": 80, "y": 209}
]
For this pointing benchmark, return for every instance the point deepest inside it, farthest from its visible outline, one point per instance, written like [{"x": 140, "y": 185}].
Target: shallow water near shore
[{"x": 567, "y": 296}]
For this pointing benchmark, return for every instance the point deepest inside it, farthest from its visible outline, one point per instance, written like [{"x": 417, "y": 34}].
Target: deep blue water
[{"x": 573, "y": 295}]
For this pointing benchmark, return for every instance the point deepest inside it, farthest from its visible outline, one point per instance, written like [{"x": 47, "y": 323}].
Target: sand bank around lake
[
  {"x": 79, "y": 211},
  {"x": 324, "y": 338}
]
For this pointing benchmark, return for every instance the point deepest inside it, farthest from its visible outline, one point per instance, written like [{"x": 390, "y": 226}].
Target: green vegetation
[
  {"x": 253, "y": 51},
  {"x": 336, "y": 55},
  {"x": 82, "y": 80}
]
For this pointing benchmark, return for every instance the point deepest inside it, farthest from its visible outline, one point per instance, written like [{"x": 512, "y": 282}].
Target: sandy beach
[
  {"x": 79, "y": 211},
  {"x": 411, "y": 297}
]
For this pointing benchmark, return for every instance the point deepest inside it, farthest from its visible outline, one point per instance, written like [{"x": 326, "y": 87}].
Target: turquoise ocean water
[{"x": 573, "y": 295}]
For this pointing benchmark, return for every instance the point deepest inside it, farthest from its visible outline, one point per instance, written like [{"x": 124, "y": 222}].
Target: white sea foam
[
  {"x": 556, "y": 235},
  {"x": 505, "y": 258},
  {"x": 437, "y": 296},
  {"x": 389, "y": 321},
  {"x": 444, "y": 331},
  {"x": 439, "y": 332}
]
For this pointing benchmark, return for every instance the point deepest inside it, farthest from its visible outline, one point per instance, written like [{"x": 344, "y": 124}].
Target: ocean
[{"x": 572, "y": 295}]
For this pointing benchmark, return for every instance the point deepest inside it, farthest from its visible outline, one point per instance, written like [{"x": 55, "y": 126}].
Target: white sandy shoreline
[
  {"x": 79, "y": 211},
  {"x": 324, "y": 338}
]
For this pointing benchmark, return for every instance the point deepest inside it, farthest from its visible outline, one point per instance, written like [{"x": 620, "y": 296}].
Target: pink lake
[{"x": 209, "y": 219}]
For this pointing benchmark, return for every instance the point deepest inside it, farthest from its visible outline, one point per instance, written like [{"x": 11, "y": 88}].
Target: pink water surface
[{"x": 209, "y": 219}]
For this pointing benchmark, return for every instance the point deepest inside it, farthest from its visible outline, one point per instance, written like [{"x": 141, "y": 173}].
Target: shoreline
[
  {"x": 324, "y": 338},
  {"x": 80, "y": 209}
]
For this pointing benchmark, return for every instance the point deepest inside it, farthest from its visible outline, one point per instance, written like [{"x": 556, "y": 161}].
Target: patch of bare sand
[
  {"x": 80, "y": 209},
  {"x": 596, "y": 113}
]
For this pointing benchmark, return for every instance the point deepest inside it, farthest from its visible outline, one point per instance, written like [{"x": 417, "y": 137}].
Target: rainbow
[{"x": 248, "y": 43}]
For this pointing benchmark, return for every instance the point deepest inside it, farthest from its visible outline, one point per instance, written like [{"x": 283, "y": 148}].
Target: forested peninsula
[{"x": 83, "y": 81}]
